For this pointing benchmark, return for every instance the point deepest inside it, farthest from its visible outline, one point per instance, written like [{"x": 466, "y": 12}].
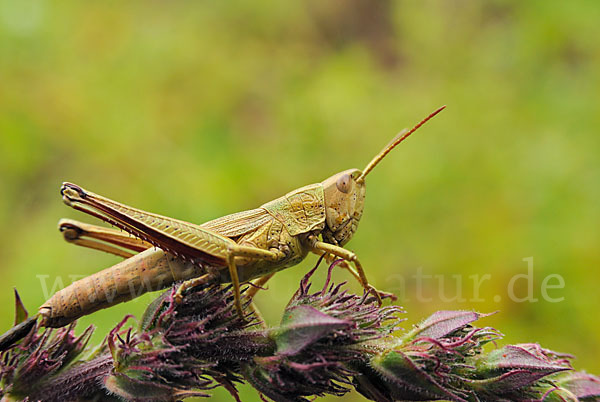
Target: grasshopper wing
[
  {"x": 300, "y": 211},
  {"x": 240, "y": 223},
  {"x": 184, "y": 239}
]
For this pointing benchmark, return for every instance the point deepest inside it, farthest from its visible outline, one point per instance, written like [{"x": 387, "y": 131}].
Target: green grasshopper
[{"x": 249, "y": 245}]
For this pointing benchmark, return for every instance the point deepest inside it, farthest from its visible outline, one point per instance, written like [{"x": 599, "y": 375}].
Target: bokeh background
[{"x": 200, "y": 109}]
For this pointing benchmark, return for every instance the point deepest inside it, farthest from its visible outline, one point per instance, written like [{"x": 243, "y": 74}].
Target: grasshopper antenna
[{"x": 392, "y": 144}]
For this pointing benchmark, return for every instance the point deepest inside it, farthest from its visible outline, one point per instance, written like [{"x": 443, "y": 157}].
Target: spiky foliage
[
  {"x": 328, "y": 342},
  {"x": 443, "y": 359},
  {"x": 30, "y": 367},
  {"x": 182, "y": 349},
  {"x": 323, "y": 339}
]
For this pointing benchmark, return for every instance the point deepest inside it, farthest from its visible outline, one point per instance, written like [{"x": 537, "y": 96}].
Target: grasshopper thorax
[{"x": 344, "y": 203}]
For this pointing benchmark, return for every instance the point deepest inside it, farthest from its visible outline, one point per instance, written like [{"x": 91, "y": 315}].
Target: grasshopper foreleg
[
  {"x": 318, "y": 247},
  {"x": 344, "y": 264}
]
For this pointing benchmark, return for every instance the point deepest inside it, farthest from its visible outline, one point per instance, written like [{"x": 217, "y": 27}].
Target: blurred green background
[{"x": 200, "y": 109}]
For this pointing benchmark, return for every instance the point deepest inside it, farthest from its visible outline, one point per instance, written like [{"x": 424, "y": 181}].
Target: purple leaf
[
  {"x": 516, "y": 356},
  {"x": 583, "y": 385},
  {"x": 513, "y": 367},
  {"x": 444, "y": 322},
  {"x": 302, "y": 326}
]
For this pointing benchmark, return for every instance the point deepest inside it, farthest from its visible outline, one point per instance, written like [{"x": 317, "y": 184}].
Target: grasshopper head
[
  {"x": 345, "y": 193},
  {"x": 344, "y": 203}
]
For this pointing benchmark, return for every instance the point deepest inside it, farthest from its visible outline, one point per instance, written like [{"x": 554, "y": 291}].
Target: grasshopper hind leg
[
  {"x": 234, "y": 251},
  {"x": 109, "y": 240}
]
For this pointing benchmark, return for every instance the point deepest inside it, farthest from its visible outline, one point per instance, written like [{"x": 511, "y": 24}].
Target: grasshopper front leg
[
  {"x": 318, "y": 247},
  {"x": 329, "y": 258}
]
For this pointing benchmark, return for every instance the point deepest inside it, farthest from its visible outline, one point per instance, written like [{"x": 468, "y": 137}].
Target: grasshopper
[{"x": 250, "y": 245}]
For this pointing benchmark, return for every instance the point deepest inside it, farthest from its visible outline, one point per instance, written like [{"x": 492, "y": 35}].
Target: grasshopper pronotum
[{"x": 236, "y": 248}]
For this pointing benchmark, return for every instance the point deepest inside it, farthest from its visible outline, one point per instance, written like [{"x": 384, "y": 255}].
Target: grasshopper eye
[{"x": 343, "y": 183}]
